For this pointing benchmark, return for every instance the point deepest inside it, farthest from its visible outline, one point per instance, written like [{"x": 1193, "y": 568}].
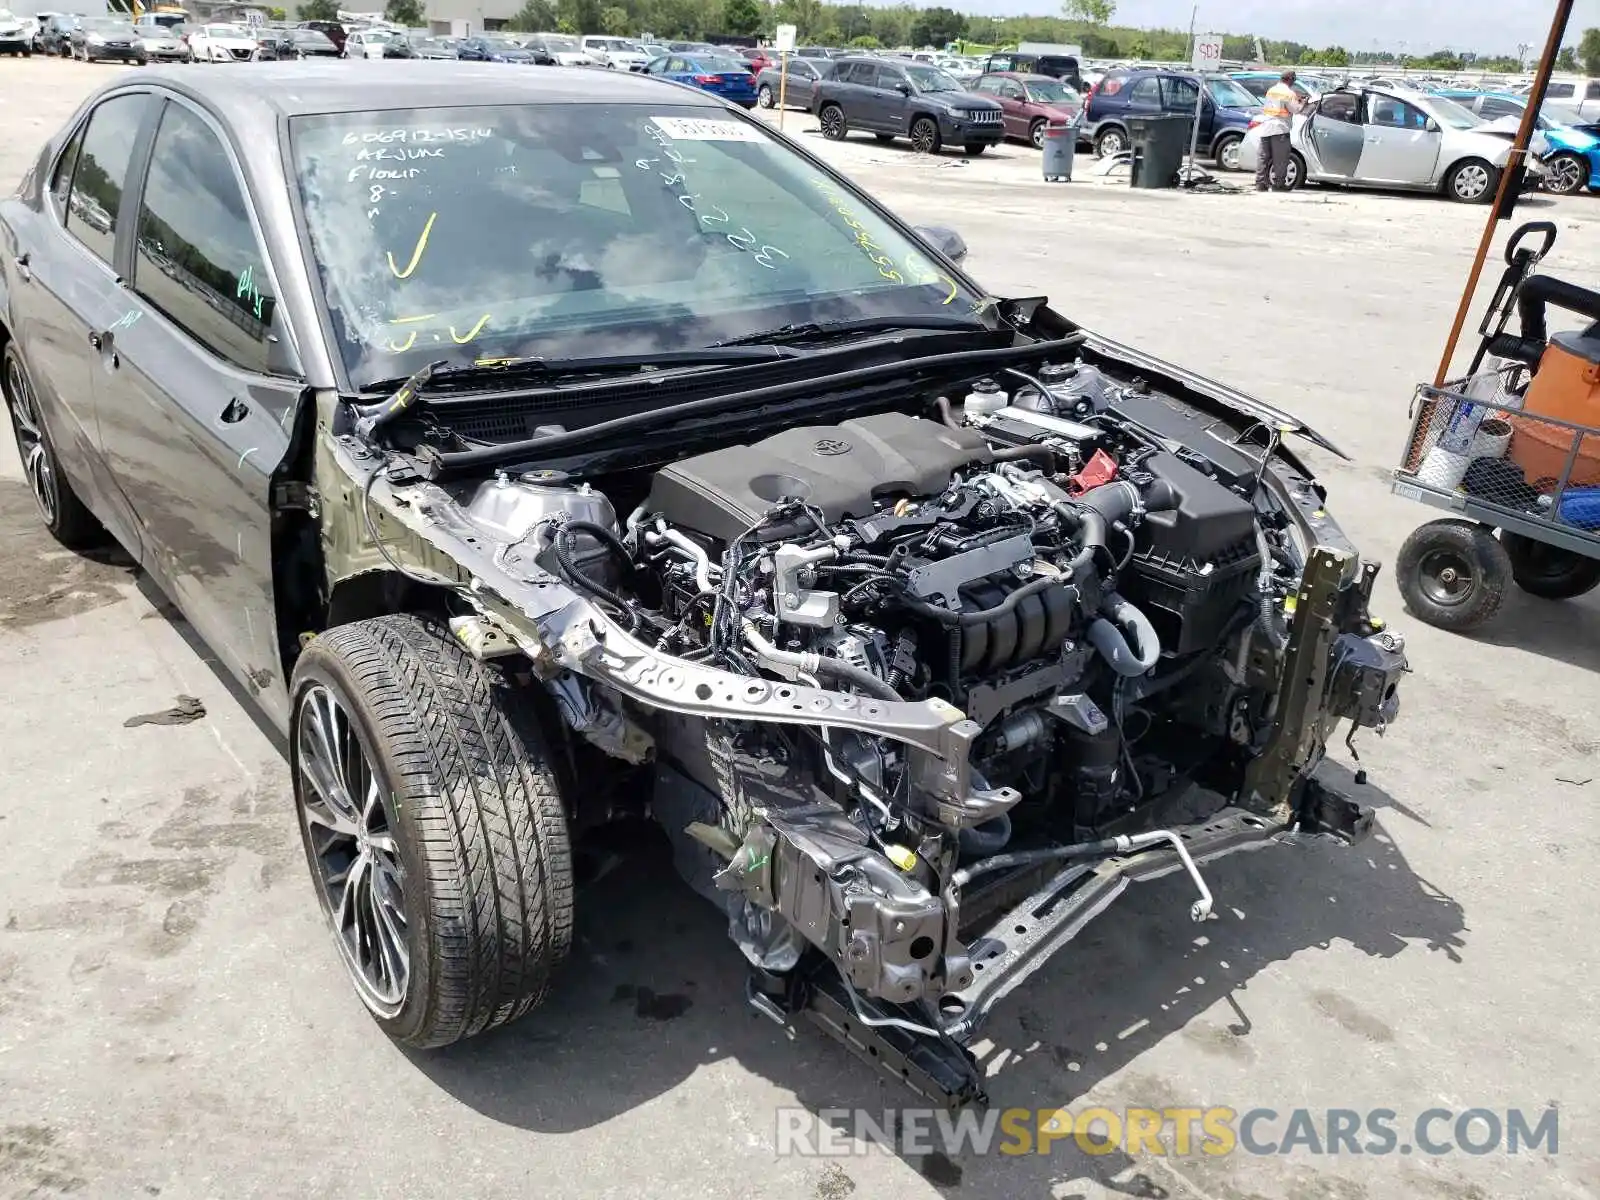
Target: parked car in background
[
  {"x": 758, "y": 59},
  {"x": 1259, "y": 83},
  {"x": 100, "y": 39},
  {"x": 1583, "y": 95},
  {"x": 221, "y": 43},
  {"x": 378, "y": 44},
  {"x": 891, "y": 99},
  {"x": 490, "y": 47},
  {"x": 35, "y": 26},
  {"x": 815, "y": 52},
  {"x": 1399, "y": 139},
  {"x": 334, "y": 31},
  {"x": 55, "y": 35},
  {"x": 618, "y": 53},
  {"x": 1057, "y": 66},
  {"x": 560, "y": 48},
  {"x": 1226, "y": 110},
  {"x": 800, "y": 90},
  {"x": 436, "y": 47},
  {"x": 163, "y": 45},
  {"x": 694, "y": 48},
  {"x": 286, "y": 44},
  {"x": 16, "y": 34},
  {"x": 720, "y": 74},
  {"x": 1030, "y": 103},
  {"x": 1572, "y": 161}
]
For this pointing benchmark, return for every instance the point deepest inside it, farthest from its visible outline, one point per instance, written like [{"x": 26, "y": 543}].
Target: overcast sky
[{"x": 1423, "y": 25}]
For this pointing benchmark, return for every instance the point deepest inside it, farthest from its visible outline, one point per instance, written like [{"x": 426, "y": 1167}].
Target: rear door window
[
  {"x": 1146, "y": 93},
  {"x": 1341, "y": 107},
  {"x": 102, "y": 171},
  {"x": 1593, "y": 92},
  {"x": 1179, "y": 94}
]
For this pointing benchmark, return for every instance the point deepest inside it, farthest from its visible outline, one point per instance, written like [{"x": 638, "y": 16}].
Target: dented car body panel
[{"x": 921, "y": 622}]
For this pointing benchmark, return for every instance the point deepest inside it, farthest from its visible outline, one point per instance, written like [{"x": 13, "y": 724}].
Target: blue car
[
  {"x": 492, "y": 49},
  {"x": 719, "y": 74},
  {"x": 1227, "y": 110},
  {"x": 1573, "y": 160}
]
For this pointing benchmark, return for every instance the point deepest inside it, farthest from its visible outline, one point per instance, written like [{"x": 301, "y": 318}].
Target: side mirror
[
  {"x": 1432, "y": 126},
  {"x": 945, "y": 240},
  {"x": 903, "y": 88}
]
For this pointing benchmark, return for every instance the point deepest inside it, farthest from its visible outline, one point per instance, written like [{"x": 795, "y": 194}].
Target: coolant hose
[
  {"x": 816, "y": 664},
  {"x": 568, "y": 563},
  {"x": 980, "y": 841},
  {"x": 1107, "y": 636}
]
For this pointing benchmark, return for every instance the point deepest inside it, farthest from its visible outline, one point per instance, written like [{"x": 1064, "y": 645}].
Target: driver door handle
[{"x": 24, "y": 271}]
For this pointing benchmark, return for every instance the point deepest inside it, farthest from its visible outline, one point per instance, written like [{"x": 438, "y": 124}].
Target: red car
[
  {"x": 759, "y": 60},
  {"x": 1030, "y": 102}
]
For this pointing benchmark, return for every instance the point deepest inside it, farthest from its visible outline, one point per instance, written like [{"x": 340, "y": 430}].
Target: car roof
[{"x": 299, "y": 88}]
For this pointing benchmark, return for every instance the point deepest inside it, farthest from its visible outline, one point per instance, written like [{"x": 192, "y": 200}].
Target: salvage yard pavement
[{"x": 174, "y": 1021}]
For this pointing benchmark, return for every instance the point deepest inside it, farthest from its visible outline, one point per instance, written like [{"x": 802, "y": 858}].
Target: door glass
[
  {"x": 1012, "y": 91},
  {"x": 198, "y": 261},
  {"x": 989, "y": 85},
  {"x": 1492, "y": 107},
  {"x": 1593, "y": 92},
  {"x": 1146, "y": 91},
  {"x": 1559, "y": 91},
  {"x": 1389, "y": 113},
  {"x": 1000, "y": 62},
  {"x": 1179, "y": 95},
  {"x": 1340, "y": 107},
  {"x": 889, "y": 78},
  {"x": 102, "y": 171}
]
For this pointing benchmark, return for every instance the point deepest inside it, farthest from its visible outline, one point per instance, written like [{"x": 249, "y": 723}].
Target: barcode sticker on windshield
[{"x": 699, "y": 129}]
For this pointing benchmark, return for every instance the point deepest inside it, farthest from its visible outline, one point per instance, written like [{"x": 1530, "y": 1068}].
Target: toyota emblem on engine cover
[{"x": 831, "y": 446}]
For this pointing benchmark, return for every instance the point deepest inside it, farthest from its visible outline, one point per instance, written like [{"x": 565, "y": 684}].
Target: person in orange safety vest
[{"x": 1272, "y": 163}]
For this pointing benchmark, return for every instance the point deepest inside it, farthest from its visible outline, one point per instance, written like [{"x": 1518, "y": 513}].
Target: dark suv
[
  {"x": 1224, "y": 115},
  {"x": 910, "y": 100}
]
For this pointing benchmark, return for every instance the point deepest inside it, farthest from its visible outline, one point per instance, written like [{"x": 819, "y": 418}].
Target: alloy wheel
[
  {"x": 37, "y": 463},
  {"x": 1471, "y": 182},
  {"x": 1036, "y": 135},
  {"x": 832, "y": 123},
  {"x": 924, "y": 137},
  {"x": 355, "y": 857},
  {"x": 1111, "y": 144},
  {"x": 764, "y": 97},
  {"x": 1567, "y": 174},
  {"x": 1228, "y": 157}
]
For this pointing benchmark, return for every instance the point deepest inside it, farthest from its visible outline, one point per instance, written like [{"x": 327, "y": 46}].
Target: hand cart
[{"x": 1500, "y": 449}]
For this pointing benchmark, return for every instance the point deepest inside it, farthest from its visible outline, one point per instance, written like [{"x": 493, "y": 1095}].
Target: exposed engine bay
[{"x": 915, "y": 693}]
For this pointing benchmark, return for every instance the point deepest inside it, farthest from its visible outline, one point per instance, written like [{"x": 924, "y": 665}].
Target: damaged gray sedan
[{"x": 542, "y": 453}]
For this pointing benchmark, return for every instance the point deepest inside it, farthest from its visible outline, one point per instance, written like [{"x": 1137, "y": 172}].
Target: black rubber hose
[
  {"x": 865, "y": 680},
  {"x": 946, "y": 617},
  {"x": 1043, "y": 454},
  {"x": 991, "y": 837},
  {"x": 945, "y": 413},
  {"x": 575, "y": 576},
  {"x": 1540, "y": 290}
]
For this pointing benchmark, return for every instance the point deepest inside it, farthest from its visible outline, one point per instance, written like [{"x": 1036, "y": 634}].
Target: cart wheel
[
  {"x": 1453, "y": 574},
  {"x": 1549, "y": 571}
]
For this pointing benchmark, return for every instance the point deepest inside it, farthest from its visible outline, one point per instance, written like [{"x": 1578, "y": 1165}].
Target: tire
[
  {"x": 1110, "y": 142},
  {"x": 925, "y": 138},
  {"x": 66, "y": 517},
  {"x": 1296, "y": 177},
  {"x": 1453, "y": 574},
  {"x": 764, "y": 96},
  {"x": 976, "y": 148},
  {"x": 460, "y": 825},
  {"x": 834, "y": 126},
  {"x": 1226, "y": 152},
  {"x": 1472, "y": 181},
  {"x": 1549, "y": 572},
  {"x": 1568, "y": 174},
  {"x": 1036, "y": 133}
]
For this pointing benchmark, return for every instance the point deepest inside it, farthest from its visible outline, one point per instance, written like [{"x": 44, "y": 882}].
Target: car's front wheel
[
  {"x": 925, "y": 135},
  {"x": 1109, "y": 143},
  {"x": 1472, "y": 181},
  {"x": 434, "y": 827},
  {"x": 1036, "y": 133},
  {"x": 764, "y": 96},
  {"x": 66, "y": 517},
  {"x": 833, "y": 123},
  {"x": 1568, "y": 174}
]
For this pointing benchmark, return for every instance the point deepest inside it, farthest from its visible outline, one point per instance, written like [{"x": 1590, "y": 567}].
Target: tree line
[{"x": 1086, "y": 23}]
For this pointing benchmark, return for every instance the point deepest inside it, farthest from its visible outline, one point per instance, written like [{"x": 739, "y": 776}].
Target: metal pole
[
  {"x": 1199, "y": 100},
  {"x": 1510, "y": 178},
  {"x": 783, "y": 85}
]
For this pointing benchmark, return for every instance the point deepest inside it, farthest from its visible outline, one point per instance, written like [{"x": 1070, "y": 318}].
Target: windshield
[
  {"x": 1226, "y": 93},
  {"x": 1451, "y": 114},
  {"x": 225, "y": 31},
  {"x": 470, "y": 233},
  {"x": 115, "y": 29},
  {"x": 1049, "y": 92},
  {"x": 931, "y": 79}
]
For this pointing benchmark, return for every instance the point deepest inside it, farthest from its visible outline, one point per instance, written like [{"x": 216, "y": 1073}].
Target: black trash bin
[{"x": 1158, "y": 145}]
